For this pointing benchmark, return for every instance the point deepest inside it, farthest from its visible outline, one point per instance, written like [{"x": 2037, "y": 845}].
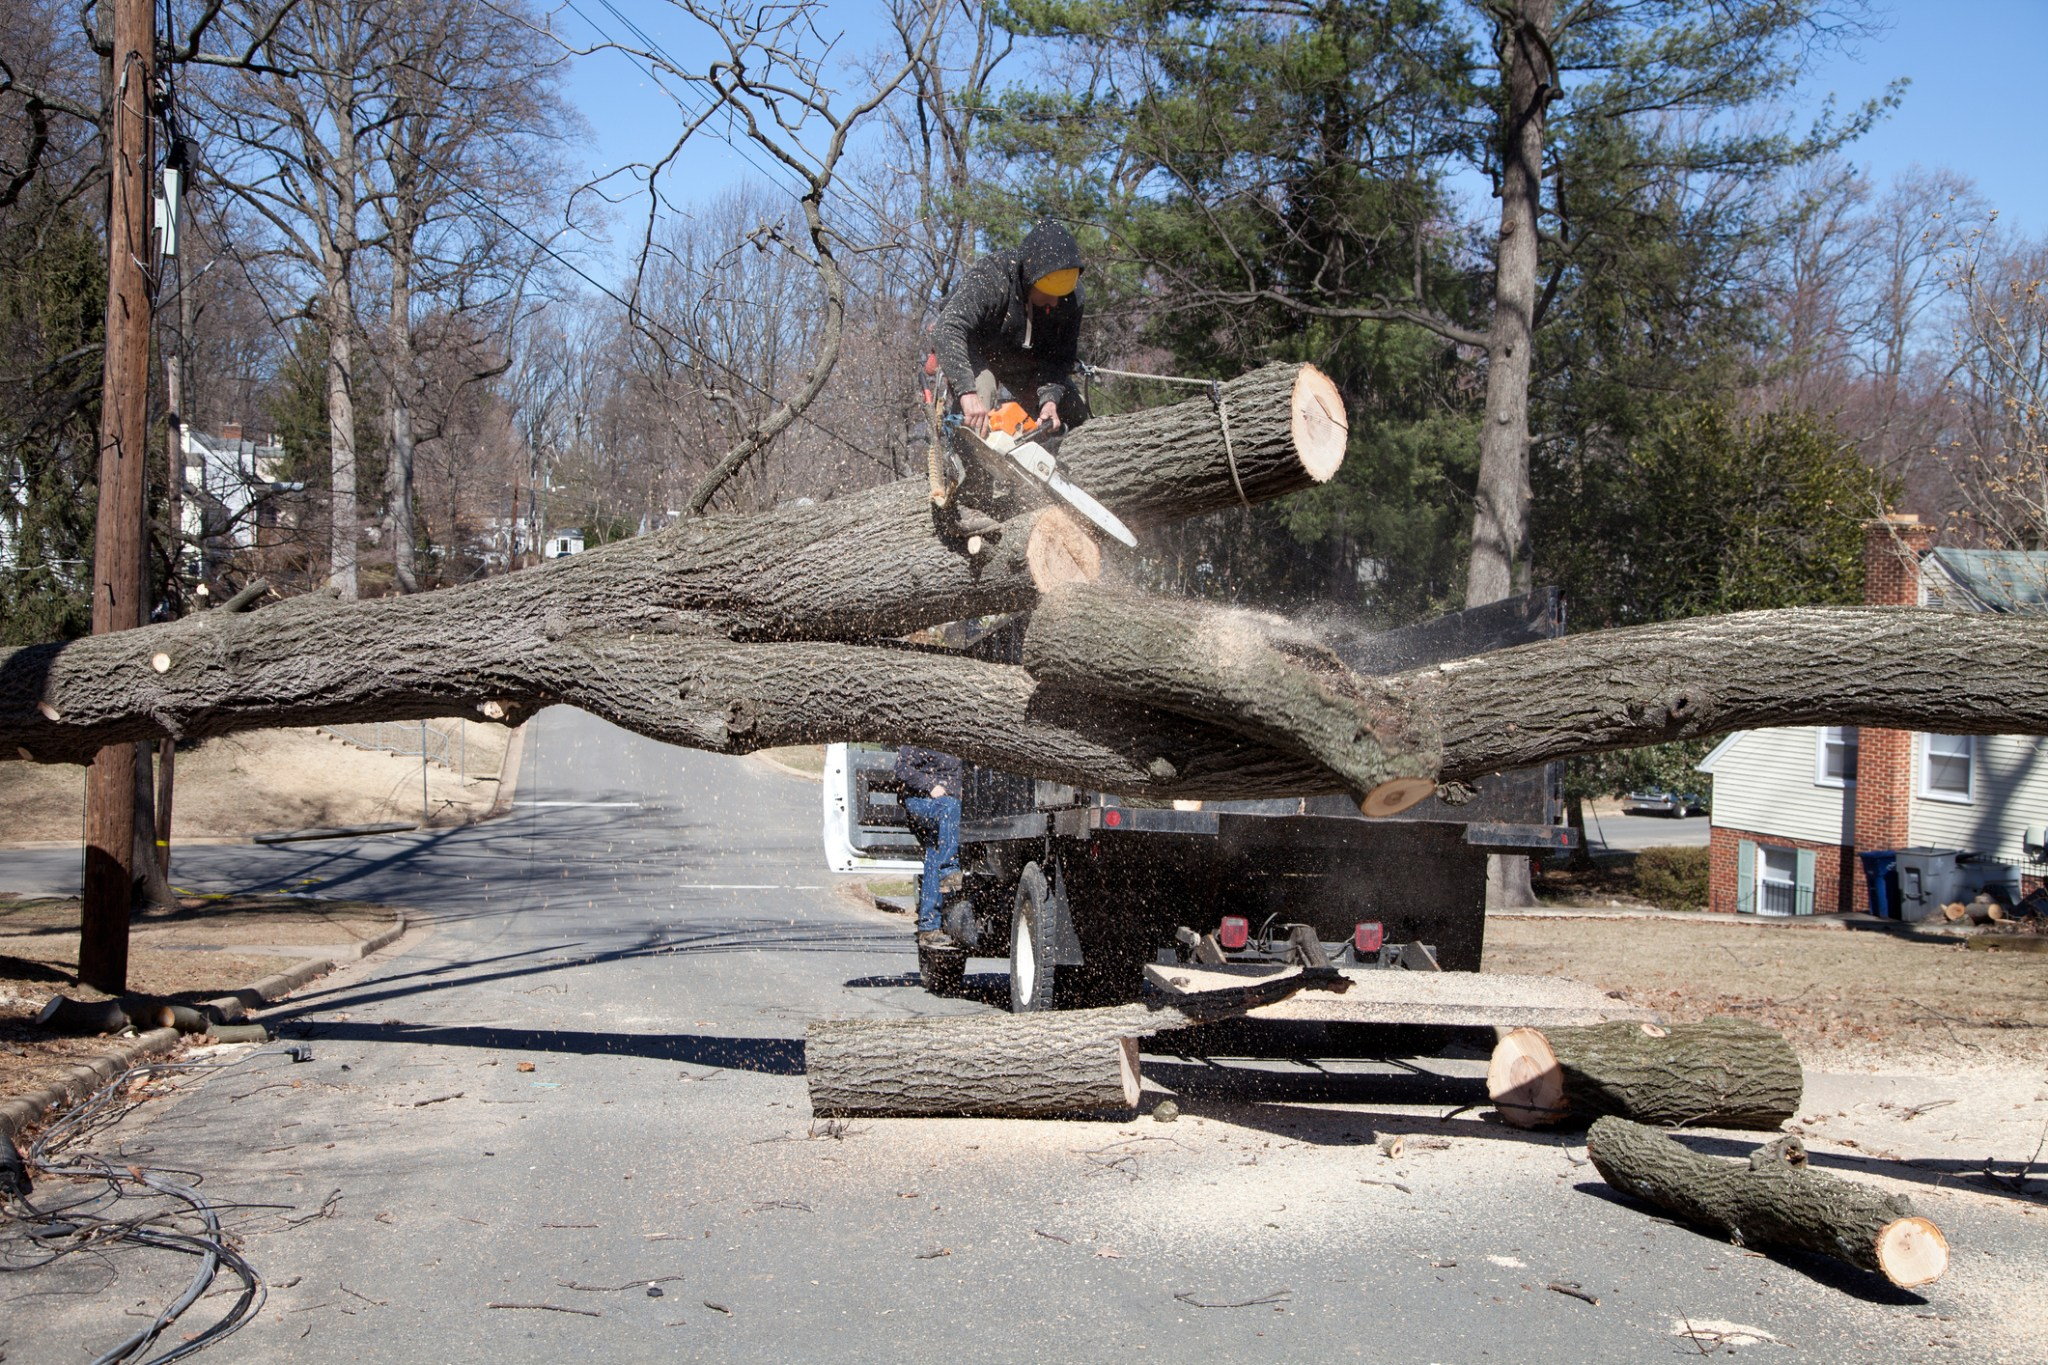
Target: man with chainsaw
[{"x": 1014, "y": 322}]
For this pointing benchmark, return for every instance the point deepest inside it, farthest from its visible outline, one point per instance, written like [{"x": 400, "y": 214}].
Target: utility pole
[{"x": 119, "y": 579}]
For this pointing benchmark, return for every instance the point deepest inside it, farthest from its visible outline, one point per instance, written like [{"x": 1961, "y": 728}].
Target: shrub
[{"x": 1672, "y": 878}]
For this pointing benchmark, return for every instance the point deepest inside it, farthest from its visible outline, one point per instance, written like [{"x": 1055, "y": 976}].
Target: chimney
[
  {"x": 231, "y": 432},
  {"x": 1893, "y": 546}
]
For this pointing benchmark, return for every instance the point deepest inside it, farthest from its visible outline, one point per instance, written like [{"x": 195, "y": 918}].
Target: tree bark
[
  {"x": 1499, "y": 565},
  {"x": 856, "y": 1071},
  {"x": 1009, "y": 1065},
  {"x": 1260, "y": 675},
  {"x": 1724, "y": 1073},
  {"x": 1775, "y": 1200},
  {"x": 398, "y": 474},
  {"x": 341, "y": 430},
  {"x": 1500, "y": 522}
]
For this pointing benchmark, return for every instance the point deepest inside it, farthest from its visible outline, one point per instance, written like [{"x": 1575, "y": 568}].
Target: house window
[
  {"x": 1834, "y": 760},
  {"x": 1777, "y": 881},
  {"x": 1774, "y": 881},
  {"x": 1948, "y": 767}
]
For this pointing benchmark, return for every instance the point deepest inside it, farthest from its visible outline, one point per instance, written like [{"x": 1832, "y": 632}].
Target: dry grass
[
  {"x": 1840, "y": 995},
  {"x": 268, "y": 780}
]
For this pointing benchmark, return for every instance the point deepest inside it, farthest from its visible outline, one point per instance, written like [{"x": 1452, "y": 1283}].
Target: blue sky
[{"x": 1974, "y": 104}]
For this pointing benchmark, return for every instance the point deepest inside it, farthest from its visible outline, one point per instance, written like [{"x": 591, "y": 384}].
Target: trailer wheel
[{"x": 1032, "y": 971}]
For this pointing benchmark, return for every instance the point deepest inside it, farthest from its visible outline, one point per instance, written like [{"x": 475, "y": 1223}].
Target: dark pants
[{"x": 935, "y": 821}]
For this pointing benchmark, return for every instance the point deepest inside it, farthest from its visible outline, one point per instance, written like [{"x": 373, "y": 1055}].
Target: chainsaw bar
[{"x": 1035, "y": 458}]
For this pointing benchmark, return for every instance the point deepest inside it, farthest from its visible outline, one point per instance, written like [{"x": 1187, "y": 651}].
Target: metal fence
[{"x": 445, "y": 742}]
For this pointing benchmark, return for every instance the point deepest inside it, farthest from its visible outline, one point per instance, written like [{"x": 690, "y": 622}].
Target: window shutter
[
  {"x": 1745, "y": 878},
  {"x": 1804, "y": 904}
]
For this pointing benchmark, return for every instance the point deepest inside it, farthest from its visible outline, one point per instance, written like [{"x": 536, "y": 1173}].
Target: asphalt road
[
  {"x": 1634, "y": 833},
  {"x": 648, "y": 932}
]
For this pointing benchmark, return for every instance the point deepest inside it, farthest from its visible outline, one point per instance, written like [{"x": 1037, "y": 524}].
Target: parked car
[{"x": 1658, "y": 801}]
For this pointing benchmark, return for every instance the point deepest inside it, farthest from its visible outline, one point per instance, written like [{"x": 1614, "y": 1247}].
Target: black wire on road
[{"x": 59, "y": 1232}]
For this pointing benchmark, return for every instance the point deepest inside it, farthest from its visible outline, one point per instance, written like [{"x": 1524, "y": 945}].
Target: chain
[{"x": 1215, "y": 391}]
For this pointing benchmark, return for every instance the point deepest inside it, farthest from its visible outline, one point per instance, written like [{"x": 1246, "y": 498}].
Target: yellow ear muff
[{"x": 1059, "y": 283}]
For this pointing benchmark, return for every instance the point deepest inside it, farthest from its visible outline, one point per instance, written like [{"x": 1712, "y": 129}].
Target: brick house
[{"x": 1793, "y": 806}]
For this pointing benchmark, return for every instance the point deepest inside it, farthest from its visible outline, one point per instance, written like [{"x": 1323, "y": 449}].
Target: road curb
[
  {"x": 782, "y": 767},
  {"x": 82, "y": 1078}
]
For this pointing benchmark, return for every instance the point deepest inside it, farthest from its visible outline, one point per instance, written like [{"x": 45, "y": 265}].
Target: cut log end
[
  {"x": 1321, "y": 430},
  {"x": 1133, "y": 1082},
  {"x": 1396, "y": 795},
  {"x": 1524, "y": 1081},
  {"x": 1912, "y": 1252},
  {"x": 1060, "y": 552}
]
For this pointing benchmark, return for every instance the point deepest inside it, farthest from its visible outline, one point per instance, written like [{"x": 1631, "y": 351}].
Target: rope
[{"x": 1215, "y": 391}]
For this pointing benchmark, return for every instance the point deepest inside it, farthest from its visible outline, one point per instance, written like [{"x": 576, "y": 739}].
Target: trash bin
[
  {"x": 1929, "y": 878},
  {"x": 1881, "y": 877}
]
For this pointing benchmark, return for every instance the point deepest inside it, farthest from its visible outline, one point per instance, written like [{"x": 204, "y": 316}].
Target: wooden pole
[{"x": 118, "y": 571}]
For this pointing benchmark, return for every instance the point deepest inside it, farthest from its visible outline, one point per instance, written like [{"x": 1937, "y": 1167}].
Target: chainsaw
[{"x": 1016, "y": 443}]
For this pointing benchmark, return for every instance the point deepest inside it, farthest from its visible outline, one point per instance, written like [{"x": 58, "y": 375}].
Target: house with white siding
[{"x": 1793, "y": 807}]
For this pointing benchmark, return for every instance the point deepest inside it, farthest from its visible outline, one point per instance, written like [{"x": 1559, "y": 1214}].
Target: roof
[
  {"x": 1991, "y": 580},
  {"x": 1706, "y": 765}
]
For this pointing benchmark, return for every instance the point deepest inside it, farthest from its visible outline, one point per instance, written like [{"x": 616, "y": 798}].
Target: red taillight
[
  {"x": 1112, "y": 818},
  {"x": 1367, "y": 937},
  {"x": 1234, "y": 933}
]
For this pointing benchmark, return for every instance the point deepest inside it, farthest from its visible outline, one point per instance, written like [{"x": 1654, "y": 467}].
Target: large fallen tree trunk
[
  {"x": 1010, "y": 1066},
  {"x": 1725, "y": 1073},
  {"x": 733, "y": 635},
  {"x": 1774, "y": 1200}
]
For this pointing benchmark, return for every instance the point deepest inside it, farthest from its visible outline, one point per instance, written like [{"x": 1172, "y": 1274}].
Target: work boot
[{"x": 934, "y": 938}]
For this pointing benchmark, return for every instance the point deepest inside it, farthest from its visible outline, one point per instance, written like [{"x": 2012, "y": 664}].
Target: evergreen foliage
[{"x": 52, "y": 320}]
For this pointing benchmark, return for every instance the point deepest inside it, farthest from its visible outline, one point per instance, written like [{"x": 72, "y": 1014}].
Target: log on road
[
  {"x": 1773, "y": 1200},
  {"x": 1728, "y": 1073},
  {"x": 1009, "y": 1066}
]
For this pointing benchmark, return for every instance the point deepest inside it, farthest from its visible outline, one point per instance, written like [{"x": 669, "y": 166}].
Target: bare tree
[
  {"x": 767, "y": 91},
  {"x": 294, "y": 147},
  {"x": 1995, "y": 445},
  {"x": 466, "y": 175}
]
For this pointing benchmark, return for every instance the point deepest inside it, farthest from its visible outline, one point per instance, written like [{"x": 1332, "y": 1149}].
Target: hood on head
[{"x": 1047, "y": 248}]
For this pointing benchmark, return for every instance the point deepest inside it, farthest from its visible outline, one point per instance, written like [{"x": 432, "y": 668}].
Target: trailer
[{"x": 1083, "y": 890}]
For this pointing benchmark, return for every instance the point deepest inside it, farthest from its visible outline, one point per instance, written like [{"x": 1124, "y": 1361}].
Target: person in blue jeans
[{"x": 931, "y": 801}]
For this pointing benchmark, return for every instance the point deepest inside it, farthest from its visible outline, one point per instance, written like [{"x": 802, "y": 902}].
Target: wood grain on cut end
[
  {"x": 1396, "y": 795},
  {"x": 1060, "y": 552},
  {"x": 1912, "y": 1252},
  {"x": 1524, "y": 1082},
  {"x": 1133, "y": 1079},
  {"x": 1321, "y": 430}
]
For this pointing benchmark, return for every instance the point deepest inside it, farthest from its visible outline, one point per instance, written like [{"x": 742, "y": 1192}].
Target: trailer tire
[{"x": 1034, "y": 977}]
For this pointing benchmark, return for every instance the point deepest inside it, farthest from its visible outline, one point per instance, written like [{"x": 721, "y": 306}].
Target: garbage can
[
  {"x": 1881, "y": 877},
  {"x": 1929, "y": 878}
]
